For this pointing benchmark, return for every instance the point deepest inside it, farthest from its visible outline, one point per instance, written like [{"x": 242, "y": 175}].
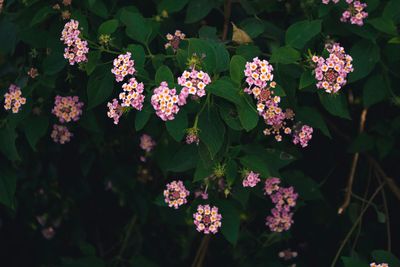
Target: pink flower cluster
[
  {"x": 165, "y": 101},
  {"x": 60, "y": 134},
  {"x": 13, "y": 99},
  {"x": 147, "y": 143},
  {"x": 332, "y": 72},
  {"x": 258, "y": 76},
  {"x": 192, "y": 138},
  {"x": 77, "y": 48},
  {"x": 207, "y": 219},
  {"x": 251, "y": 179},
  {"x": 174, "y": 40},
  {"x": 284, "y": 199},
  {"x": 123, "y": 66},
  {"x": 114, "y": 110},
  {"x": 379, "y": 265},
  {"x": 287, "y": 254},
  {"x": 176, "y": 194},
  {"x": 303, "y": 135},
  {"x": 355, "y": 13},
  {"x": 67, "y": 108},
  {"x": 132, "y": 95},
  {"x": 194, "y": 83}
]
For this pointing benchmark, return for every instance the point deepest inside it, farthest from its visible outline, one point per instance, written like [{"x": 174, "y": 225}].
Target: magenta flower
[
  {"x": 379, "y": 265},
  {"x": 280, "y": 220},
  {"x": 132, "y": 94},
  {"x": 147, "y": 143},
  {"x": 258, "y": 76},
  {"x": 114, "y": 110},
  {"x": 165, "y": 102},
  {"x": 176, "y": 194},
  {"x": 77, "y": 48},
  {"x": 327, "y": 1},
  {"x": 251, "y": 179},
  {"x": 61, "y": 134},
  {"x": 123, "y": 66},
  {"x": 13, "y": 99},
  {"x": 303, "y": 135},
  {"x": 194, "y": 83},
  {"x": 207, "y": 219},
  {"x": 174, "y": 40},
  {"x": 355, "y": 13},
  {"x": 271, "y": 185},
  {"x": 67, "y": 108}
]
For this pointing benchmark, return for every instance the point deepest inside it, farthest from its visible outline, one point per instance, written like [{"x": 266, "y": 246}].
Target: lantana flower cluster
[
  {"x": 174, "y": 40},
  {"x": 331, "y": 73},
  {"x": 194, "y": 83},
  {"x": 207, "y": 219},
  {"x": 132, "y": 91},
  {"x": 303, "y": 135},
  {"x": 77, "y": 48},
  {"x": 165, "y": 101},
  {"x": 176, "y": 194},
  {"x": 66, "y": 109},
  {"x": 355, "y": 12},
  {"x": 13, "y": 99},
  {"x": 259, "y": 77},
  {"x": 281, "y": 217},
  {"x": 251, "y": 179}
]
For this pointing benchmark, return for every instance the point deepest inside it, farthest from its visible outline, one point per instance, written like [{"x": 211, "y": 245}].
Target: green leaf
[
  {"x": 8, "y": 36},
  {"x": 164, "y": 74},
  {"x": 257, "y": 164},
  {"x": 248, "y": 51},
  {"x": 42, "y": 14},
  {"x": 253, "y": 27},
  {"x": 298, "y": 34},
  {"x": 138, "y": 55},
  {"x": 227, "y": 90},
  {"x": 54, "y": 63},
  {"x": 35, "y": 127},
  {"x": 306, "y": 187},
  {"x": 100, "y": 9},
  {"x": 212, "y": 131},
  {"x": 184, "y": 159},
  {"x": 99, "y": 87},
  {"x": 374, "y": 91},
  {"x": 231, "y": 172},
  {"x": 202, "y": 171},
  {"x": 137, "y": 27},
  {"x": 285, "y": 55},
  {"x": 312, "y": 117},
  {"x": 7, "y": 143},
  {"x": 177, "y": 127},
  {"x": 384, "y": 25},
  {"x": 108, "y": 27},
  {"x": 352, "y": 262},
  {"x": 365, "y": 55},
  {"x": 222, "y": 56},
  {"x": 171, "y": 6},
  {"x": 230, "y": 116},
  {"x": 197, "y": 10},
  {"x": 362, "y": 143},
  {"x": 335, "y": 104},
  {"x": 236, "y": 68},
  {"x": 306, "y": 79},
  {"x": 248, "y": 116},
  {"x": 93, "y": 61},
  {"x": 8, "y": 184},
  {"x": 142, "y": 118},
  {"x": 200, "y": 47},
  {"x": 230, "y": 221},
  {"x": 382, "y": 256}
]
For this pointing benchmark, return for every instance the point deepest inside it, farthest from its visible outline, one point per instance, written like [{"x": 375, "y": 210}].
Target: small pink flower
[
  {"x": 279, "y": 221},
  {"x": 13, "y": 99},
  {"x": 67, "y": 108},
  {"x": 176, "y": 194},
  {"x": 61, "y": 134},
  {"x": 33, "y": 73},
  {"x": 114, "y": 110},
  {"x": 77, "y": 48},
  {"x": 287, "y": 254},
  {"x": 132, "y": 94},
  {"x": 258, "y": 76},
  {"x": 379, "y": 265},
  {"x": 165, "y": 102},
  {"x": 202, "y": 194},
  {"x": 48, "y": 233},
  {"x": 271, "y": 185},
  {"x": 123, "y": 66},
  {"x": 147, "y": 143},
  {"x": 207, "y": 219},
  {"x": 251, "y": 179},
  {"x": 194, "y": 83},
  {"x": 355, "y": 13},
  {"x": 174, "y": 40},
  {"x": 303, "y": 135}
]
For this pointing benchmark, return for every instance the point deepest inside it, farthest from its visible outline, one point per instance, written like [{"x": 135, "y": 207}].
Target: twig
[
  {"x": 126, "y": 239},
  {"x": 198, "y": 259},
  {"x": 227, "y": 16},
  {"x": 350, "y": 181},
  {"x": 355, "y": 224},
  {"x": 385, "y": 206}
]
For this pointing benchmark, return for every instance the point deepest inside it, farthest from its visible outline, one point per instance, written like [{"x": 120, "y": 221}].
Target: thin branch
[
  {"x": 353, "y": 168},
  {"x": 198, "y": 259},
  {"x": 355, "y": 224},
  {"x": 385, "y": 206},
  {"x": 227, "y": 16}
]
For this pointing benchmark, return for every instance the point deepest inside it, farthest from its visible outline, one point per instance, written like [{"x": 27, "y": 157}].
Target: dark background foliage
[{"x": 129, "y": 225}]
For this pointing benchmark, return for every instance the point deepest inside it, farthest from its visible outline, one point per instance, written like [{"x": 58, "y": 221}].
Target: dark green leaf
[
  {"x": 230, "y": 221},
  {"x": 35, "y": 127},
  {"x": 248, "y": 116},
  {"x": 100, "y": 87},
  {"x": 285, "y": 55},
  {"x": 312, "y": 117},
  {"x": 335, "y": 104},
  {"x": 108, "y": 27},
  {"x": 177, "y": 127},
  {"x": 374, "y": 91},
  {"x": 138, "y": 55},
  {"x": 226, "y": 89},
  {"x": 365, "y": 55},
  {"x": 42, "y": 14},
  {"x": 236, "y": 68},
  {"x": 171, "y": 5},
  {"x": 353, "y": 262},
  {"x": 202, "y": 47},
  {"x": 256, "y": 164},
  {"x": 382, "y": 256},
  {"x": 298, "y": 34},
  {"x": 306, "y": 79},
  {"x": 197, "y": 10},
  {"x": 132, "y": 20},
  {"x": 212, "y": 131},
  {"x": 164, "y": 74},
  {"x": 8, "y": 182},
  {"x": 7, "y": 143},
  {"x": 184, "y": 159}
]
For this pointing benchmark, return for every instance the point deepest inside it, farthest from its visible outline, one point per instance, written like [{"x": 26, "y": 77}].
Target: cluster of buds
[
  {"x": 13, "y": 99},
  {"x": 174, "y": 40},
  {"x": 77, "y": 48},
  {"x": 207, "y": 219},
  {"x": 105, "y": 39},
  {"x": 331, "y": 73},
  {"x": 284, "y": 199},
  {"x": 175, "y": 194},
  {"x": 192, "y": 136}
]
